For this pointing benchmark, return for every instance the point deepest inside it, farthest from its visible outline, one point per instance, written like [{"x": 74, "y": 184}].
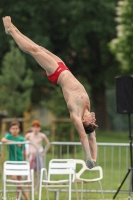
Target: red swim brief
[{"x": 54, "y": 77}]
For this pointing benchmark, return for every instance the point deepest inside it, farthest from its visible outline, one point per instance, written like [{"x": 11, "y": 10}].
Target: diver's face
[
  {"x": 88, "y": 118},
  {"x": 36, "y": 129}
]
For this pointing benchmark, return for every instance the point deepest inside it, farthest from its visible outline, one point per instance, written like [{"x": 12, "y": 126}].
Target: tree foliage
[
  {"x": 122, "y": 46},
  {"x": 78, "y": 32},
  {"x": 16, "y": 83}
]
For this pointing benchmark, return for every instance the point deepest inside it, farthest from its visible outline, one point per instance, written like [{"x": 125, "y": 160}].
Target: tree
[
  {"x": 77, "y": 31},
  {"x": 85, "y": 29},
  {"x": 95, "y": 25},
  {"x": 16, "y": 83},
  {"x": 122, "y": 46}
]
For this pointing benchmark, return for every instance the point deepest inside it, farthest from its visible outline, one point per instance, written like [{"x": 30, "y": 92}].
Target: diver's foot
[{"x": 7, "y": 24}]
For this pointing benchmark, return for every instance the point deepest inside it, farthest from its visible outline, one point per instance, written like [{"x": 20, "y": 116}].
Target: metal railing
[{"x": 114, "y": 158}]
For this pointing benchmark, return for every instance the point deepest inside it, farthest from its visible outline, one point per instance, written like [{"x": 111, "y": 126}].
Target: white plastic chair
[
  {"x": 58, "y": 167},
  {"x": 18, "y": 168},
  {"x": 87, "y": 179}
]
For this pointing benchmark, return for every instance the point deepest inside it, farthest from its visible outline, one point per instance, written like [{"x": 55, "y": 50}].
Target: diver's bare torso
[{"x": 76, "y": 98}]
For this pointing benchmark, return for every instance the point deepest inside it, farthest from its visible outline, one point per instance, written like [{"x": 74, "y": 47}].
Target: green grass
[
  {"x": 112, "y": 137},
  {"x": 108, "y": 181}
]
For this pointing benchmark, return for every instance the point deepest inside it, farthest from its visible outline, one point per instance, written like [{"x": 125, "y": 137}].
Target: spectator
[
  {"x": 16, "y": 151},
  {"x": 37, "y": 138},
  {"x": 0, "y": 150},
  {"x": 27, "y": 145}
]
